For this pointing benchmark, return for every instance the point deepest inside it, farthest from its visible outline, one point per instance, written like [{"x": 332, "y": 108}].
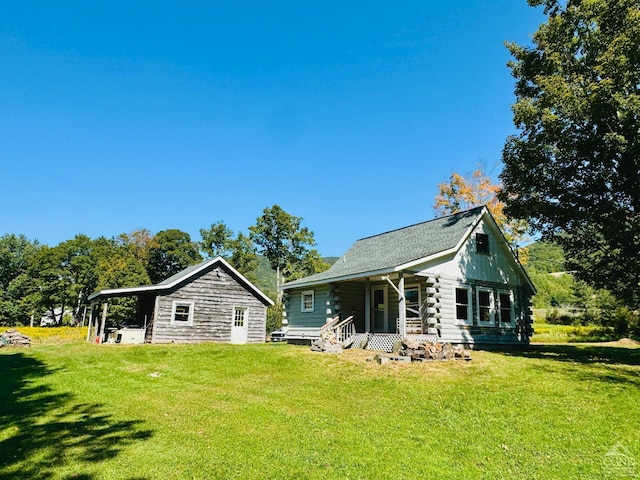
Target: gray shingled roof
[{"x": 398, "y": 247}]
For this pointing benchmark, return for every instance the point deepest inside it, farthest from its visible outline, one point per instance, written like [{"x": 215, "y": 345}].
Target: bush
[
  {"x": 274, "y": 317},
  {"x": 555, "y": 318},
  {"x": 625, "y": 322}
]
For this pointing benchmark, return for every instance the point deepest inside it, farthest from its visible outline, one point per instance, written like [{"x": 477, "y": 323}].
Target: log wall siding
[
  {"x": 322, "y": 307},
  {"x": 455, "y": 332},
  {"x": 214, "y": 295},
  {"x": 352, "y": 299}
]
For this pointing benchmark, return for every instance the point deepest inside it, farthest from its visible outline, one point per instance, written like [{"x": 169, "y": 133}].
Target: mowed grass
[{"x": 280, "y": 411}]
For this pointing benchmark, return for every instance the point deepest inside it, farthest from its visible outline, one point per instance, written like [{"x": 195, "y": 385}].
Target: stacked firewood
[
  {"x": 13, "y": 337},
  {"x": 420, "y": 351},
  {"x": 327, "y": 343}
]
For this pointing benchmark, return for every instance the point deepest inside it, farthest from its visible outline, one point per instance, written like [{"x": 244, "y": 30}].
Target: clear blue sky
[{"x": 118, "y": 115}]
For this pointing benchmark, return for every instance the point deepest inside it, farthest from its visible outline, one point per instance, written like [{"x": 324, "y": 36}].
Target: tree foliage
[
  {"x": 216, "y": 240},
  {"x": 279, "y": 237},
  {"x": 173, "y": 251},
  {"x": 240, "y": 252},
  {"x": 573, "y": 170},
  {"x": 463, "y": 192},
  {"x": 17, "y": 292},
  {"x": 138, "y": 244}
]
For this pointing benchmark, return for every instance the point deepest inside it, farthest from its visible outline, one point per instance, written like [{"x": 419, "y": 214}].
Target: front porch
[{"x": 344, "y": 332}]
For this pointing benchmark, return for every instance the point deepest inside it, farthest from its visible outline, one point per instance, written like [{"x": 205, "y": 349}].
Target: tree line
[{"x": 39, "y": 280}]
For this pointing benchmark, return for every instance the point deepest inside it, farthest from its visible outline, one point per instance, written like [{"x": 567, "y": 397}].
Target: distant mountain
[
  {"x": 545, "y": 257},
  {"x": 547, "y": 272}
]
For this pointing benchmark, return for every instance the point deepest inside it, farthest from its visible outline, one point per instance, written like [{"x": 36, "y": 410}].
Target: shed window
[
  {"x": 307, "y": 301},
  {"x": 182, "y": 313},
  {"x": 485, "y": 306},
  {"x": 482, "y": 243},
  {"x": 239, "y": 316},
  {"x": 463, "y": 304},
  {"x": 506, "y": 307}
]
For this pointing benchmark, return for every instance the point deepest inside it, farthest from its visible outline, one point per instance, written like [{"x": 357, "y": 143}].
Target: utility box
[{"x": 130, "y": 335}]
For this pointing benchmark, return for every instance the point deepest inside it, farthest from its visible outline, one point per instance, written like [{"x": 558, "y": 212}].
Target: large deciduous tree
[
  {"x": 17, "y": 292},
  {"x": 173, "y": 251},
  {"x": 285, "y": 243},
  {"x": 218, "y": 240},
  {"x": 573, "y": 169}
]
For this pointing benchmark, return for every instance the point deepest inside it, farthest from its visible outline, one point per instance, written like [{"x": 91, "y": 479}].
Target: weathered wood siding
[{"x": 214, "y": 295}]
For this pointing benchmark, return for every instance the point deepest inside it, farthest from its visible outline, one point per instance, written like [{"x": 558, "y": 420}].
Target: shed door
[{"x": 239, "y": 325}]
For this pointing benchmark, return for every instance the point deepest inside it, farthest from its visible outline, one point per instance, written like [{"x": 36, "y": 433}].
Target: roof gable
[
  {"x": 387, "y": 251},
  {"x": 182, "y": 277}
]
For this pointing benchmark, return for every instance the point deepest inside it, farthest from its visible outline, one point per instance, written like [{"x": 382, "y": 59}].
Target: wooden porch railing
[{"x": 343, "y": 329}]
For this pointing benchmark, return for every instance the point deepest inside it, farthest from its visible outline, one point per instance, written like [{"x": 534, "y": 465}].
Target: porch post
[
  {"x": 105, "y": 305},
  {"x": 90, "y": 324},
  {"x": 367, "y": 306},
  {"x": 402, "y": 306}
]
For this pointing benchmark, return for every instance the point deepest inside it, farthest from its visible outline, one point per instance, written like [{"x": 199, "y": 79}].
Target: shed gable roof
[
  {"x": 180, "y": 277},
  {"x": 386, "y": 251}
]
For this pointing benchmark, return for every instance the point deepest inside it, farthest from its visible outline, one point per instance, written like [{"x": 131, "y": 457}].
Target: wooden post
[
  {"x": 402, "y": 306},
  {"x": 103, "y": 321},
  {"x": 90, "y": 324},
  {"x": 367, "y": 306}
]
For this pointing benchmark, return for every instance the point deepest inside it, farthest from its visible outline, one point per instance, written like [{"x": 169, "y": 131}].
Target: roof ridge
[{"x": 421, "y": 223}]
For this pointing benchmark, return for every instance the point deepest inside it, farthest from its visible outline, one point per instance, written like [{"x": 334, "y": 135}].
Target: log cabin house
[
  {"x": 452, "y": 279},
  {"x": 207, "y": 302}
]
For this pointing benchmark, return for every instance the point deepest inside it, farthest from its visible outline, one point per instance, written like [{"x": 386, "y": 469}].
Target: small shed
[{"x": 207, "y": 302}]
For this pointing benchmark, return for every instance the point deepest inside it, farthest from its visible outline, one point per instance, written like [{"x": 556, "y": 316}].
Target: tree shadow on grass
[
  {"x": 40, "y": 429},
  {"x": 612, "y": 364}
]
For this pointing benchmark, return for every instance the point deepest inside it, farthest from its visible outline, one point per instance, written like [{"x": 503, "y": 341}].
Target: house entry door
[{"x": 379, "y": 307}]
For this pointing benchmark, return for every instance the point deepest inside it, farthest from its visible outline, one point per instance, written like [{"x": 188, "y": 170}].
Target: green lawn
[{"x": 279, "y": 411}]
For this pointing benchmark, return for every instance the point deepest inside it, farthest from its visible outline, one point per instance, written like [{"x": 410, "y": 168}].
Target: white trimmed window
[
  {"x": 505, "y": 307},
  {"x": 485, "y": 307},
  {"x": 182, "y": 313},
  {"x": 239, "y": 316},
  {"x": 307, "y": 301},
  {"x": 412, "y": 301},
  {"x": 463, "y": 304},
  {"x": 482, "y": 243}
]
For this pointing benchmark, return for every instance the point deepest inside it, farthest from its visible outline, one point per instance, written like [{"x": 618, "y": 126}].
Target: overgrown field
[
  {"x": 280, "y": 411},
  {"x": 547, "y": 333}
]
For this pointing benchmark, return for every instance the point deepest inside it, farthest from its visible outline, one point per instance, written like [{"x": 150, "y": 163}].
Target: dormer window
[{"x": 482, "y": 243}]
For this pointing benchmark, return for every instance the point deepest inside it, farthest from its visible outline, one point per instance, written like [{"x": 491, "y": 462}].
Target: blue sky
[{"x": 117, "y": 115}]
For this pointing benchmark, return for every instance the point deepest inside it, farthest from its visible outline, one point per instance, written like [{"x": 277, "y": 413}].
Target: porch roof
[{"x": 391, "y": 251}]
